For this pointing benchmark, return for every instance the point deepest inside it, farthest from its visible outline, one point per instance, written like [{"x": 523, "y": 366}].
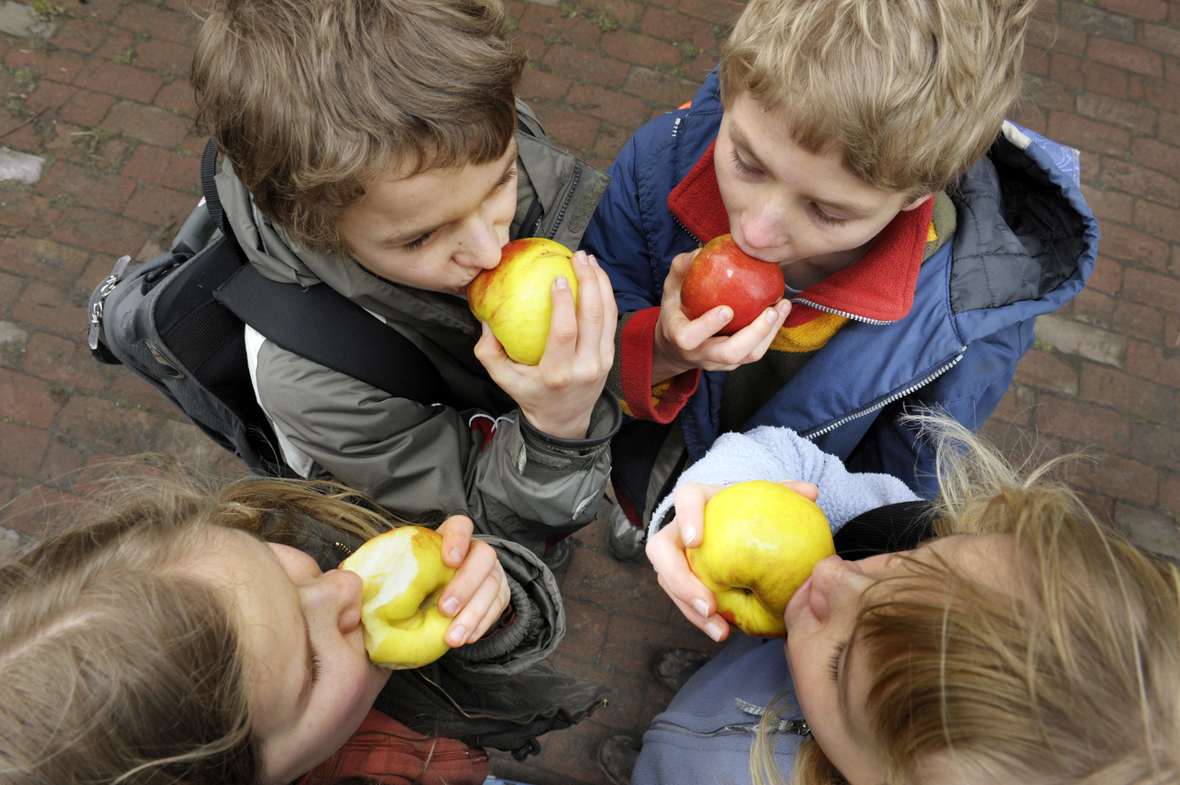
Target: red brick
[
  {"x": 607, "y": 104},
  {"x": 1161, "y": 157},
  {"x": 1153, "y": 362},
  {"x": 1151, "y": 10},
  {"x": 155, "y": 165},
  {"x": 1120, "y": 242},
  {"x": 54, "y": 65},
  {"x": 80, "y": 34},
  {"x": 533, "y": 45},
  {"x": 41, "y": 259},
  {"x": 59, "y": 468},
  {"x": 1078, "y": 420},
  {"x": 613, "y": 13},
  {"x": 589, "y": 579},
  {"x": 1150, "y": 531},
  {"x": 1141, "y": 182},
  {"x": 48, "y": 96},
  {"x": 1126, "y": 393},
  {"x": 123, "y": 81},
  {"x": 1139, "y": 320},
  {"x": 27, "y": 399},
  {"x": 671, "y": 26},
  {"x": 86, "y": 108},
  {"x": 1104, "y": 79},
  {"x": 1151, "y": 289},
  {"x": 119, "y": 47},
  {"x": 640, "y": 49},
  {"x": 1109, "y": 205},
  {"x": 1157, "y": 445},
  {"x": 99, "y": 232},
  {"x": 1015, "y": 406},
  {"x": 159, "y": 23},
  {"x": 129, "y": 388},
  {"x": 1163, "y": 222},
  {"x": 1165, "y": 40},
  {"x": 1093, "y": 307},
  {"x": 177, "y": 96},
  {"x": 569, "y": 128},
  {"x": 1095, "y": 21},
  {"x": 10, "y": 290},
  {"x": 1131, "y": 116},
  {"x": 1087, "y": 134},
  {"x": 579, "y": 64},
  {"x": 1048, "y": 95},
  {"x": 1169, "y": 493},
  {"x": 1047, "y": 34},
  {"x": 700, "y": 66},
  {"x": 717, "y": 11},
  {"x": 1035, "y": 61},
  {"x": 1043, "y": 370},
  {"x": 163, "y": 56},
  {"x": 1126, "y": 56},
  {"x": 666, "y": 89},
  {"x": 87, "y": 186},
  {"x": 149, "y": 124},
  {"x": 1119, "y": 477},
  {"x": 538, "y": 84},
  {"x": 1161, "y": 94},
  {"x": 93, "y": 423},
  {"x": 1172, "y": 330},
  {"x": 161, "y": 207},
  {"x": 23, "y": 447},
  {"x": 59, "y": 309},
  {"x": 57, "y": 359}
]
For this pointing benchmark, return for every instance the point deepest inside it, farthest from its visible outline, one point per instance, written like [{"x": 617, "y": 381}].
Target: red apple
[{"x": 723, "y": 274}]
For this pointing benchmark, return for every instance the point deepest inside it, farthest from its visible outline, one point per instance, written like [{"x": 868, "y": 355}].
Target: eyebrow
[
  {"x": 741, "y": 140},
  {"x": 413, "y": 234}
]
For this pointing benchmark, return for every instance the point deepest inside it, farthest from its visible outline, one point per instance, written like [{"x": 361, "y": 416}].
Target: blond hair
[
  {"x": 116, "y": 665},
  {"x": 312, "y": 99},
  {"x": 1071, "y": 677},
  {"x": 913, "y": 91}
]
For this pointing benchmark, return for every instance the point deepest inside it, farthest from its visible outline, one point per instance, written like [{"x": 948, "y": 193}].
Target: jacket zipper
[
  {"x": 845, "y": 314},
  {"x": 566, "y": 202},
  {"x": 794, "y": 727},
  {"x": 896, "y": 396}
]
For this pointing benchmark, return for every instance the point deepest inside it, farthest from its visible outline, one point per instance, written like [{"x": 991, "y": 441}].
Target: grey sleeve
[{"x": 417, "y": 460}]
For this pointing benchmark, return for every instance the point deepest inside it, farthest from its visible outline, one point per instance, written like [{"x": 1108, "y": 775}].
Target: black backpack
[{"x": 178, "y": 321}]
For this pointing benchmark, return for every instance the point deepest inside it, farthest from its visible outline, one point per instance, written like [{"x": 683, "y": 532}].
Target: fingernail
[
  {"x": 449, "y": 606},
  {"x": 700, "y": 607},
  {"x": 713, "y": 631},
  {"x": 725, "y": 314},
  {"x": 593, "y": 259},
  {"x": 580, "y": 258},
  {"x": 771, "y": 315},
  {"x": 456, "y": 555},
  {"x": 561, "y": 282},
  {"x": 688, "y": 533},
  {"x": 458, "y": 635}
]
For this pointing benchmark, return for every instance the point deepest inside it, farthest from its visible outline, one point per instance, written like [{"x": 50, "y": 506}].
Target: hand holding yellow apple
[
  {"x": 760, "y": 541},
  {"x": 514, "y": 296},
  {"x": 403, "y": 574}
]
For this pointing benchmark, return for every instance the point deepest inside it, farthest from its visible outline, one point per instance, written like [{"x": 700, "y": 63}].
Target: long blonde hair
[
  {"x": 118, "y": 667},
  {"x": 1073, "y": 676}
]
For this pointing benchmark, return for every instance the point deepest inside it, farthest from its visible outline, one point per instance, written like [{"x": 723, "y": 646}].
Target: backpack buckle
[{"x": 108, "y": 285}]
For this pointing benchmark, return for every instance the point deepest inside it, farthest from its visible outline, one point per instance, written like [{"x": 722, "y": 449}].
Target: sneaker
[
  {"x": 625, "y": 540},
  {"x": 617, "y": 756},
  {"x": 557, "y": 555},
  {"x": 670, "y": 663}
]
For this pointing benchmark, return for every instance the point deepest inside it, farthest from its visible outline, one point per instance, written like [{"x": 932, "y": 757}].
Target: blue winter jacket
[{"x": 1025, "y": 244}]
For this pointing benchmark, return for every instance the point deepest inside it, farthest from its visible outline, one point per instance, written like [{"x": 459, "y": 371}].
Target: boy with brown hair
[
  {"x": 377, "y": 148},
  {"x": 861, "y": 146}
]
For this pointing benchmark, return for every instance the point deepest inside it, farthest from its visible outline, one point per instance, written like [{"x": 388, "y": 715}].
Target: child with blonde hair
[
  {"x": 1024, "y": 642},
  {"x": 861, "y": 146},
  {"x": 191, "y": 634}
]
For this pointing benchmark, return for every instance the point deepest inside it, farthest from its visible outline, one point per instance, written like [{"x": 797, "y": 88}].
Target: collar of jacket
[{"x": 877, "y": 288}]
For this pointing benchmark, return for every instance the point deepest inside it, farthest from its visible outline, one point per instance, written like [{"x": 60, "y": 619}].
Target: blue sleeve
[{"x": 969, "y": 393}]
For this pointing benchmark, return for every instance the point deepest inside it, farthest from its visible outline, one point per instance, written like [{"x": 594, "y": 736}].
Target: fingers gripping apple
[
  {"x": 403, "y": 574},
  {"x": 722, "y": 274},
  {"x": 514, "y": 296},
  {"x": 759, "y": 543}
]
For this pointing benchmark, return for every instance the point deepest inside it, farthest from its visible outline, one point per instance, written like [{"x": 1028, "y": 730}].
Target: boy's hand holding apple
[
  {"x": 728, "y": 570},
  {"x": 558, "y": 393},
  {"x": 686, "y": 338}
]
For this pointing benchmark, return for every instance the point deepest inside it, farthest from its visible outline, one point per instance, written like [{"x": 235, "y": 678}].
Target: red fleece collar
[{"x": 878, "y": 287}]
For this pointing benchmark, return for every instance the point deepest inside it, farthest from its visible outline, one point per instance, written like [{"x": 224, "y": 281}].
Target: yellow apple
[
  {"x": 403, "y": 574},
  {"x": 759, "y": 543},
  {"x": 514, "y": 296}
]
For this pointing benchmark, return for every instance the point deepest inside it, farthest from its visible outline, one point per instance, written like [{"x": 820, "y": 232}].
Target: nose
[
  {"x": 836, "y": 586},
  {"x": 479, "y": 242},
  {"x": 764, "y": 227},
  {"x": 338, "y": 594}
]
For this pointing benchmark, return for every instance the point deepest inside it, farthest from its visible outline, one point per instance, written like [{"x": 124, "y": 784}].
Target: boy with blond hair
[
  {"x": 861, "y": 146},
  {"x": 376, "y": 147}
]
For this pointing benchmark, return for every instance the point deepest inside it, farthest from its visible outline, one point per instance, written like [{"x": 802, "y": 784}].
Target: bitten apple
[
  {"x": 403, "y": 574},
  {"x": 759, "y": 542},
  {"x": 514, "y": 296},
  {"x": 722, "y": 274}
]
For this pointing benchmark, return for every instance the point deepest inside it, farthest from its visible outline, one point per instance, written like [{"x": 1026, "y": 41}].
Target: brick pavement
[{"x": 100, "y": 92}]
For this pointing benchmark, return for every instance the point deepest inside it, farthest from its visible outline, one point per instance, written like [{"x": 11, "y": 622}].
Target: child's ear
[{"x": 921, "y": 200}]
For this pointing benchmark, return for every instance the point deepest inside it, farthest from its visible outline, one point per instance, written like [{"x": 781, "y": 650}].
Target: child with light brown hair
[
  {"x": 860, "y": 146},
  {"x": 197, "y": 633},
  {"x": 1022, "y": 641},
  {"x": 378, "y": 149}
]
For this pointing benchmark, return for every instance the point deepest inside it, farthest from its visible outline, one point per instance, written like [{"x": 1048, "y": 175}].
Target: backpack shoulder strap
[{"x": 319, "y": 323}]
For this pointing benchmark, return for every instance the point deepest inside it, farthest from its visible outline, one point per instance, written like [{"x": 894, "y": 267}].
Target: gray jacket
[{"x": 418, "y": 458}]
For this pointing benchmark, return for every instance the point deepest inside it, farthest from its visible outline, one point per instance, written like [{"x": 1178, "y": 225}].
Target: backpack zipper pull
[{"x": 107, "y": 286}]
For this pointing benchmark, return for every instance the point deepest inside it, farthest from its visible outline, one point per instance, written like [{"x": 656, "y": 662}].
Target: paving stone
[{"x": 1070, "y": 337}]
